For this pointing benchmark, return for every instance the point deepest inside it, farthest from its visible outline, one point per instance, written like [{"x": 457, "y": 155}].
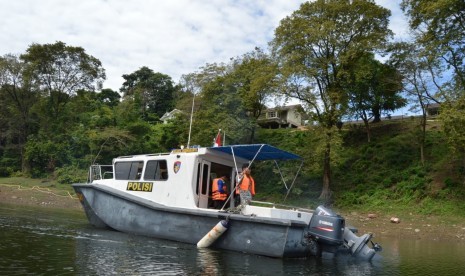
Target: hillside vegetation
[{"x": 385, "y": 174}]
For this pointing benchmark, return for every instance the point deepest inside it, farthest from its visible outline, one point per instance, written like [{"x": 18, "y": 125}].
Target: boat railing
[
  {"x": 281, "y": 206},
  {"x": 98, "y": 172}
]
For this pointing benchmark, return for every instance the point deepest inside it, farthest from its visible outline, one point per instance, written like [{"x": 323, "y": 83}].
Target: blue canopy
[{"x": 265, "y": 152}]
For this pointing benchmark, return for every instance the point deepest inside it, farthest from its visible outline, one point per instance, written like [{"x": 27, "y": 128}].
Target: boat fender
[{"x": 214, "y": 234}]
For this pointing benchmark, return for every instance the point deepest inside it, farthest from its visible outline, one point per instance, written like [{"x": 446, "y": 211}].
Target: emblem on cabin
[{"x": 177, "y": 166}]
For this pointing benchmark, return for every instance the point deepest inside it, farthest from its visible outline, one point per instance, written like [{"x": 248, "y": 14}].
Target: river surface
[{"x": 40, "y": 241}]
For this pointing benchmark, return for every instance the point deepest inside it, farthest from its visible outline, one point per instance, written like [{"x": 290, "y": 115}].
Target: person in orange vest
[
  {"x": 219, "y": 191},
  {"x": 246, "y": 187}
]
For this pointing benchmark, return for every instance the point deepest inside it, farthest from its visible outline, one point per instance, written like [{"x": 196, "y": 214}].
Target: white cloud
[{"x": 172, "y": 37}]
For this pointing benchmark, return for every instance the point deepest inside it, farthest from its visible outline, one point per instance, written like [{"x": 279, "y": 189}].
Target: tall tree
[
  {"x": 439, "y": 27},
  {"x": 218, "y": 105},
  {"x": 61, "y": 71},
  {"x": 109, "y": 97},
  {"x": 420, "y": 78},
  {"x": 314, "y": 45},
  {"x": 255, "y": 76},
  {"x": 373, "y": 88},
  {"x": 17, "y": 95},
  {"x": 154, "y": 92}
]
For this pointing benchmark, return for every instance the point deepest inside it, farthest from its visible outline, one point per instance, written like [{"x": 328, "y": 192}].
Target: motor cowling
[{"x": 326, "y": 226}]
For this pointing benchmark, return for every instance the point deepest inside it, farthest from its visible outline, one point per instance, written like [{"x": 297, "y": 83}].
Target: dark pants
[
  {"x": 237, "y": 200},
  {"x": 218, "y": 204}
]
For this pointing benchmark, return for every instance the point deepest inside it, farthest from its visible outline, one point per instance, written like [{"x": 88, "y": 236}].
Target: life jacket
[
  {"x": 247, "y": 183},
  {"x": 216, "y": 194}
]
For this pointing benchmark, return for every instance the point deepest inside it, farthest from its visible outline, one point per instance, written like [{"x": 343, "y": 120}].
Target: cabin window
[
  {"x": 128, "y": 170},
  {"x": 156, "y": 170}
]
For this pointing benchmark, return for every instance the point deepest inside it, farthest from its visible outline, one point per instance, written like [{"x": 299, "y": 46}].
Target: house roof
[
  {"x": 170, "y": 113},
  {"x": 286, "y": 107}
]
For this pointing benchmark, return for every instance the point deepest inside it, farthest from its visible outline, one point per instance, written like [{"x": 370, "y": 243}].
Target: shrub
[{"x": 70, "y": 175}]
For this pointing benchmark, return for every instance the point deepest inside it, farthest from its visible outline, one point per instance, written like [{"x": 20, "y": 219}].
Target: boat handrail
[
  {"x": 282, "y": 205},
  {"x": 95, "y": 172}
]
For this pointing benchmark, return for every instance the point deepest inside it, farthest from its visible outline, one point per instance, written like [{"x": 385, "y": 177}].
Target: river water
[{"x": 40, "y": 241}]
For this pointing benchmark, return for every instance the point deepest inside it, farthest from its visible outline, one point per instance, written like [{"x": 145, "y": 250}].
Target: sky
[{"x": 174, "y": 37}]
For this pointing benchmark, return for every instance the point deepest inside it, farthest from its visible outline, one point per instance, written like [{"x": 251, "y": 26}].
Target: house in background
[
  {"x": 432, "y": 109},
  {"x": 291, "y": 116},
  {"x": 170, "y": 115}
]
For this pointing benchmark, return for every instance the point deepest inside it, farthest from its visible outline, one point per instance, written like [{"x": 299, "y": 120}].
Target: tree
[
  {"x": 255, "y": 76},
  {"x": 314, "y": 45},
  {"x": 218, "y": 105},
  {"x": 153, "y": 92},
  {"x": 61, "y": 71},
  {"x": 439, "y": 28},
  {"x": 17, "y": 97},
  {"x": 453, "y": 117},
  {"x": 420, "y": 76},
  {"x": 109, "y": 97},
  {"x": 373, "y": 88}
]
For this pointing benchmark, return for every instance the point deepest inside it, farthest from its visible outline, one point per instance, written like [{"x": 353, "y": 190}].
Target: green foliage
[
  {"x": 254, "y": 75},
  {"x": 153, "y": 92},
  {"x": 387, "y": 173},
  {"x": 61, "y": 71},
  {"x": 70, "y": 175},
  {"x": 315, "y": 46},
  {"x": 374, "y": 88},
  {"x": 219, "y": 106},
  {"x": 438, "y": 25},
  {"x": 453, "y": 116}
]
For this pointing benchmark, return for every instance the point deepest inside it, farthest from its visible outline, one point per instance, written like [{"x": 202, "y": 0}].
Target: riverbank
[
  {"x": 15, "y": 194},
  {"x": 410, "y": 225}
]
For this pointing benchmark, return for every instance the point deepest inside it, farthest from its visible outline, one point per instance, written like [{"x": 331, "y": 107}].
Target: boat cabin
[{"x": 183, "y": 177}]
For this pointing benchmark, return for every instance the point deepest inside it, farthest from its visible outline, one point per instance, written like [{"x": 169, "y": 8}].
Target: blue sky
[{"x": 173, "y": 37}]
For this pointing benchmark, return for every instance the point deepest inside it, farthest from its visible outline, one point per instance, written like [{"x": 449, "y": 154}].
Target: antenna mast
[{"x": 190, "y": 125}]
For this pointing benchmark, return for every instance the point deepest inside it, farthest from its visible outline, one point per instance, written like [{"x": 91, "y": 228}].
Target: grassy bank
[{"x": 384, "y": 175}]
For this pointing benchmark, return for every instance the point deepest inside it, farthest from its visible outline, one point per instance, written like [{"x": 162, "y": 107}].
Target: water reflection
[{"x": 60, "y": 243}]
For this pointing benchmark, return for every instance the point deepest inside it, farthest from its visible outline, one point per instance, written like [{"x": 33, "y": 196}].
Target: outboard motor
[
  {"x": 358, "y": 246},
  {"x": 327, "y": 232},
  {"x": 326, "y": 228}
]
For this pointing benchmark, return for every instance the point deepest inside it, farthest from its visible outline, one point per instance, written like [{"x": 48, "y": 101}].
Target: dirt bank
[
  {"x": 410, "y": 226},
  {"x": 41, "y": 197}
]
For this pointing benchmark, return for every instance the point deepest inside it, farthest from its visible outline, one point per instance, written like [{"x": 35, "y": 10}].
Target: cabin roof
[{"x": 265, "y": 152}]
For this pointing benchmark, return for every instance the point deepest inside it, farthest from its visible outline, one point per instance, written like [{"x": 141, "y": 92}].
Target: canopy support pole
[
  {"x": 237, "y": 172},
  {"x": 282, "y": 178},
  {"x": 293, "y": 181}
]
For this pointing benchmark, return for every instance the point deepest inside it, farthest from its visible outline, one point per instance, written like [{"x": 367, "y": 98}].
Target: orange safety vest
[
  {"x": 247, "y": 183},
  {"x": 216, "y": 195}
]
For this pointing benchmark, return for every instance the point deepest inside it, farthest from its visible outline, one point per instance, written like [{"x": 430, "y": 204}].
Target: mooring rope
[{"x": 37, "y": 188}]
